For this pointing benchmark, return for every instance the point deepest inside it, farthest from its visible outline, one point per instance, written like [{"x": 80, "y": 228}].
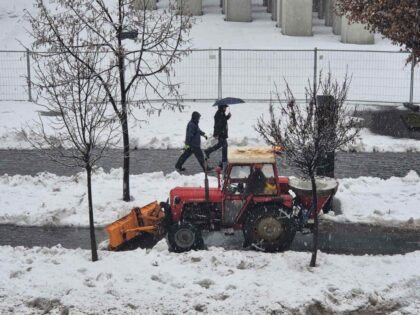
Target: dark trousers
[
  {"x": 187, "y": 153},
  {"x": 222, "y": 143}
]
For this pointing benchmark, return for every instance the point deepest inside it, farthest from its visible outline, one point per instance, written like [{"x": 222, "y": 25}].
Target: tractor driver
[{"x": 256, "y": 181}]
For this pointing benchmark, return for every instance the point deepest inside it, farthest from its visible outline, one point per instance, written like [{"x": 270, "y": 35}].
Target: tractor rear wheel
[
  {"x": 184, "y": 237},
  {"x": 269, "y": 229}
]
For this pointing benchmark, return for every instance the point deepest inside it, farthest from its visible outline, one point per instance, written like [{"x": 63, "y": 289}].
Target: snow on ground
[
  {"x": 58, "y": 200},
  {"x": 168, "y": 129},
  {"x": 214, "y": 281},
  {"x": 260, "y": 34}
]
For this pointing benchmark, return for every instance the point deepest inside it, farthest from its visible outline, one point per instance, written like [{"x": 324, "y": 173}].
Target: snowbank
[
  {"x": 58, "y": 200},
  {"x": 375, "y": 200},
  {"x": 215, "y": 281},
  {"x": 167, "y": 131}
]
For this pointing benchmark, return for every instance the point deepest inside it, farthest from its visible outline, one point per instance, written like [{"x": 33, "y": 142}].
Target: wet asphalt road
[
  {"x": 383, "y": 165},
  {"x": 337, "y": 238}
]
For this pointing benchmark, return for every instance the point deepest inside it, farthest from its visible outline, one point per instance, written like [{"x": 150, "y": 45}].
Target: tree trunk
[
  {"x": 126, "y": 158},
  {"x": 315, "y": 229},
  {"x": 123, "y": 116},
  {"x": 91, "y": 223}
]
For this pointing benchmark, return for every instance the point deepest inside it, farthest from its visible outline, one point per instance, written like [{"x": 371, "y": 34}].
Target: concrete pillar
[
  {"x": 193, "y": 7},
  {"x": 279, "y": 8},
  {"x": 274, "y": 10},
  {"x": 321, "y": 9},
  {"x": 355, "y": 33},
  {"x": 328, "y": 14},
  {"x": 145, "y": 5},
  {"x": 336, "y": 24},
  {"x": 297, "y": 17},
  {"x": 269, "y": 5},
  {"x": 238, "y": 10},
  {"x": 315, "y": 6}
]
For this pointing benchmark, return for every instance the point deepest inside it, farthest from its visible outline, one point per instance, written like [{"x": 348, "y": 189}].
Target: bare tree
[
  {"x": 146, "y": 70},
  {"x": 308, "y": 132},
  {"x": 82, "y": 128}
]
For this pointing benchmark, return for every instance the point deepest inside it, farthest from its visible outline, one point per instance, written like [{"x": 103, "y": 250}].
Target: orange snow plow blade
[{"x": 140, "y": 220}]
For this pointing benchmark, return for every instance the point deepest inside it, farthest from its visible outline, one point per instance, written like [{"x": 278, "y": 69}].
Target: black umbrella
[{"x": 228, "y": 101}]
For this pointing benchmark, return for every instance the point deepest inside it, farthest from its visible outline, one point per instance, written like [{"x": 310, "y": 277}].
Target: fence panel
[
  {"x": 13, "y": 73},
  {"x": 253, "y": 75},
  {"x": 195, "y": 75},
  {"x": 376, "y": 76},
  {"x": 198, "y": 75}
]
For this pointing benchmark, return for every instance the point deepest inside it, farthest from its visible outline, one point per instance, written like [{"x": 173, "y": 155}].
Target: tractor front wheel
[
  {"x": 269, "y": 229},
  {"x": 183, "y": 237}
]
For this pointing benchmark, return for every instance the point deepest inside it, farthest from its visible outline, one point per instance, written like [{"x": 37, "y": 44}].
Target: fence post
[
  {"x": 28, "y": 70},
  {"x": 315, "y": 70},
  {"x": 219, "y": 92},
  {"x": 413, "y": 63}
]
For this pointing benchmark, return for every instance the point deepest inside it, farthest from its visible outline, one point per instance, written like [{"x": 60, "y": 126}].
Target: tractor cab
[{"x": 251, "y": 178}]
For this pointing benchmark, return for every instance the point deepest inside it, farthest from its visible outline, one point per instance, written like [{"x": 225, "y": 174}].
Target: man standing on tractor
[
  {"x": 193, "y": 144},
  {"x": 221, "y": 133}
]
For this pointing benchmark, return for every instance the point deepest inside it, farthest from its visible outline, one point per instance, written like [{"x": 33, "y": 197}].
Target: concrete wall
[
  {"x": 279, "y": 14},
  {"x": 238, "y": 10},
  {"x": 328, "y": 14},
  {"x": 193, "y": 7},
  {"x": 355, "y": 33},
  {"x": 297, "y": 17},
  {"x": 145, "y": 4}
]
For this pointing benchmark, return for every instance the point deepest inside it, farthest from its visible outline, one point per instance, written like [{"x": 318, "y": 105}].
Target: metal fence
[{"x": 380, "y": 77}]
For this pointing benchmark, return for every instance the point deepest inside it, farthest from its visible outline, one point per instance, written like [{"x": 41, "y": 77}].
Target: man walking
[
  {"x": 192, "y": 144},
  {"x": 221, "y": 133}
]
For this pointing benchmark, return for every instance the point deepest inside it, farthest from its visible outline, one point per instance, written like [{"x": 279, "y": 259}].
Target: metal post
[
  {"x": 219, "y": 93},
  {"x": 28, "y": 72},
  {"x": 315, "y": 71},
  {"x": 413, "y": 63}
]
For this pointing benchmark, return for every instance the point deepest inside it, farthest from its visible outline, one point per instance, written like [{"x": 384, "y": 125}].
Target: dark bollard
[{"x": 326, "y": 102}]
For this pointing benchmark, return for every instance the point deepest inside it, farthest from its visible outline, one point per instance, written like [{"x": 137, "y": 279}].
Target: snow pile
[
  {"x": 214, "y": 281},
  {"x": 58, "y": 200},
  {"x": 375, "y": 200},
  {"x": 167, "y": 131}
]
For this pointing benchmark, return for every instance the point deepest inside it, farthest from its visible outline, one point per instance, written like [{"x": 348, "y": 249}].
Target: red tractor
[{"x": 252, "y": 197}]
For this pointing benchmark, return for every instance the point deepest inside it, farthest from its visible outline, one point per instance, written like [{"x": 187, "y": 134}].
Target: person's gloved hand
[
  {"x": 186, "y": 147},
  {"x": 205, "y": 137}
]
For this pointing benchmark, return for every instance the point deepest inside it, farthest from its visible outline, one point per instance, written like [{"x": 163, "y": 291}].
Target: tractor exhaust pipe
[{"x": 206, "y": 183}]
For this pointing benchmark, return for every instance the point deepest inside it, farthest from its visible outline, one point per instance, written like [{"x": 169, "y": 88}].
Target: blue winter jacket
[{"x": 193, "y": 135}]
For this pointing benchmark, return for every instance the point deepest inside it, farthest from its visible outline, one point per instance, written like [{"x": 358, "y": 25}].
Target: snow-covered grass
[
  {"x": 50, "y": 199},
  {"x": 168, "y": 129},
  {"x": 214, "y": 281}
]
